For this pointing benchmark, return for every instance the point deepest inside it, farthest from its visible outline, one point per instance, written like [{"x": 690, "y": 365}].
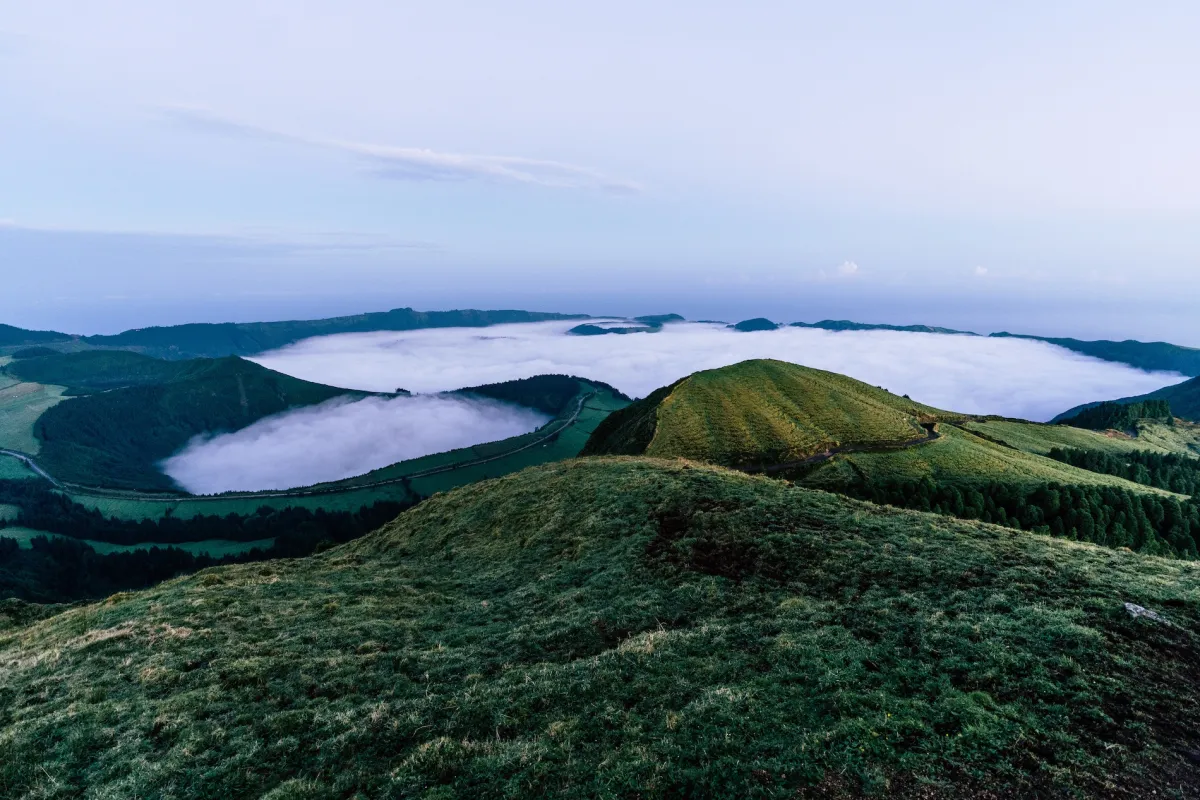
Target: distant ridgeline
[
  {"x": 213, "y": 340},
  {"x": 1120, "y": 416},
  {"x": 549, "y": 394},
  {"x": 247, "y": 338}
]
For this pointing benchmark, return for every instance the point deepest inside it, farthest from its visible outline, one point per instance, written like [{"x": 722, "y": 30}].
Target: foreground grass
[{"x": 623, "y": 628}]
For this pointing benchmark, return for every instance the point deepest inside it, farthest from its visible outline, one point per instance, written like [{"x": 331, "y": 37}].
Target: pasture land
[{"x": 21, "y": 404}]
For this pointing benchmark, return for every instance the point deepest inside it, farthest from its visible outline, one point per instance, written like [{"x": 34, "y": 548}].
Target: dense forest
[
  {"x": 57, "y": 570},
  {"x": 1174, "y": 473},
  {"x": 1120, "y": 416},
  {"x": 1158, "y": 525}
]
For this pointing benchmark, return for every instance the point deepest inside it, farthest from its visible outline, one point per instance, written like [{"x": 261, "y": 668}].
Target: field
[
  {"x": 963, "y": 458},
  {"x": 20, "y": 406},
  {"x": 211, "y": 547},
  {"x": 1035, "y": 438},
  {"x": 606, "y": 627}
]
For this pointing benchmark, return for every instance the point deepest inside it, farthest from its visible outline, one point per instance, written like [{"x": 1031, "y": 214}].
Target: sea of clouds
[
  {"x": 978, "y": 375},
  {"x": 342, "y": 438}
]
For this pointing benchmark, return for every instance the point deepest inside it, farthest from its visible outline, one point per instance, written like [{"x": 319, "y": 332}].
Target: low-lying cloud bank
[
  {"x": 980, "y": 375},
  {"x": 340, "y": 439}
]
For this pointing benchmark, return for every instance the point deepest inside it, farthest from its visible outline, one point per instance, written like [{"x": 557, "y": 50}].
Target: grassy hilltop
[
  {"x": 761, "y": 412},
  {"x": 620, "y": 628}
]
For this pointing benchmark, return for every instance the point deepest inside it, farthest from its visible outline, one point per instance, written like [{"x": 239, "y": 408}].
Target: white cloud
[
  {"x": 417, "y": 163},
  {"x": 981, "y": 271},
  {"x": 847, "y": 269},
  {"x": 1012, "y": 377},
  {"x": 341, "y": 438}
]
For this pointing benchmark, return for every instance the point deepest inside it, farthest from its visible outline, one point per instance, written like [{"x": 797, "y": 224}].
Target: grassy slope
[
  {"x": 960, "y": 457},
  {"x": 762, "y": 412},
  {"x": 1036, "y": 438},
  {"x": 96, "y": 370},
  {"x": 620, "y": 628},
  {"x": 116, "y": 438},
  {"x": 20, "y": 406}
]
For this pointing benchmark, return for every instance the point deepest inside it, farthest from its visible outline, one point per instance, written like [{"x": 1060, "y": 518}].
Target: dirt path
[{"x": 931, "y": 434}]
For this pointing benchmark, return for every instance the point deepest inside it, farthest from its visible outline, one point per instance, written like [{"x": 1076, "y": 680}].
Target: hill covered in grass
[
  {"x": 622, "y": 627},
  {"x": 116, "y": 438},
  {"x": 761, "y": 412}
]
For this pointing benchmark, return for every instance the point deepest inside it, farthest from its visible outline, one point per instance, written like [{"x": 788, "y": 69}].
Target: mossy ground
[{"x": 624, "y": 628}]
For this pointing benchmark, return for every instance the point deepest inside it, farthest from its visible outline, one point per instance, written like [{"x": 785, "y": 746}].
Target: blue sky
[{"x": 1029, "y": 166}]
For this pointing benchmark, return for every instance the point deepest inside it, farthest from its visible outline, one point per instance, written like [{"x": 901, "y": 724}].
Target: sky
[{"x": 1028, "y": 166}]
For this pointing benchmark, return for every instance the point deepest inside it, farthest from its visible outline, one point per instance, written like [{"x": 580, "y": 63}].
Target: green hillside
[
  {"x": 1040, "y": 439},
  {"x": 762, "y": 412},
  {"x": 621, "y": 628},
  {"x": 957, "y": 456},
  {"x": 116, "y": 438},
  {"x": 95, "y": 370}
]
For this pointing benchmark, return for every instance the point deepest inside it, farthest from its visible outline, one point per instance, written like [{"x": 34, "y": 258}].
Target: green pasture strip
[
  {"x": 188, "y": 507},
  {"x": 1032, "y": 437},
  {"x": 20, "y": 406},
  {"x": 214, "y": 548},
  {"x": 14, "y": 468},
  {"x": 963, "y": 458}
]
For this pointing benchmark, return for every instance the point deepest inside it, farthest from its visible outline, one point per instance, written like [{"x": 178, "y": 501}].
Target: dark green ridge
[
  {"x": 1184, "y": 399},
  {"x": 1151, "y": 356},
  {"x": 19, "y": 337},
  {"x": 847, "y": 325},
  {"x": 248, "y": 338},
  {"x": 756, "y": 324}
]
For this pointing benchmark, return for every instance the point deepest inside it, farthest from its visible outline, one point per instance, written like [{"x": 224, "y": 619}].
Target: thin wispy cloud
[
  {"x": 339, "y": 439},
  {"x": 981, "y": 375},
  {"x": 415, "y": 163}
]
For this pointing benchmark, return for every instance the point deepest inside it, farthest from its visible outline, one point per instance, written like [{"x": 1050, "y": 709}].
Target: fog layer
[
  {"x": 342, "y": 438},
  {"x": 980, "y": 375}
]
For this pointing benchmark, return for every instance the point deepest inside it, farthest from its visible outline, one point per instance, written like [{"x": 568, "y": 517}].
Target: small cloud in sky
[
  {"x": 980, "y": 272},
  {"x": 417, "y": 163},
  {"x": 847, "y": 269}
]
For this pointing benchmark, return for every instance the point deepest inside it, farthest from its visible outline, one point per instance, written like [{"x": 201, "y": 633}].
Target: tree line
[
  {"x": 1169, "y": 471},
  {"x": 1121, "y": 416},
  {"x": 63, "y": 569},
  {"x": 1110, "y": 516}
]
